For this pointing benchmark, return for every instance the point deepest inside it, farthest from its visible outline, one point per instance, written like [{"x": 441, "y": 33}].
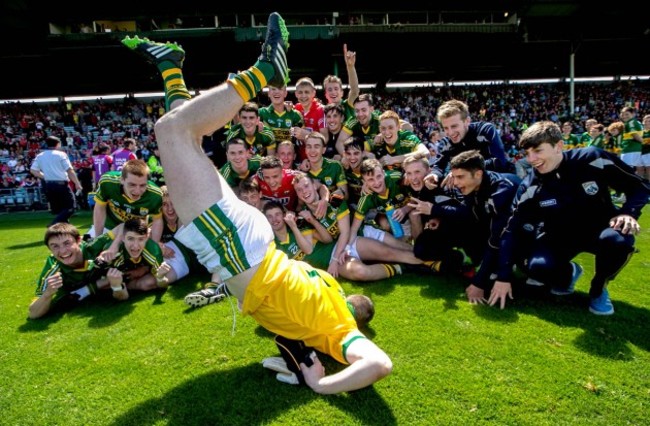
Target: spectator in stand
[
  {"x": 597, "y": 137},
  {"x": 155, "y": 167},
  {"x": 570, "y": 140},
  {"x": 645, "y": 150},
  {"x": 54, "y": 167},
  {"x": 632, "y": 142},
  {"x": 124, "y": 154},
  {"x": 102, "y": 163}
]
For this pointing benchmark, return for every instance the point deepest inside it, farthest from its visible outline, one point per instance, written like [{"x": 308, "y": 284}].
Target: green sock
[{"x": 174, "y": 83}]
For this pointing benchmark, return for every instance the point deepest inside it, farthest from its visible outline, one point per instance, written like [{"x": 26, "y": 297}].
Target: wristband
[{"x": 118, "y": 287}]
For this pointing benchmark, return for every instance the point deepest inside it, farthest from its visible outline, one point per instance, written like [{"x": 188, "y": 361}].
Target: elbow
[{"x": 382, "y": 367}]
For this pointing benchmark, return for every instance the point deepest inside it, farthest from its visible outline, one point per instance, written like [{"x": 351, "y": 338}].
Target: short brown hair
[{"x": 61, "y": 229}]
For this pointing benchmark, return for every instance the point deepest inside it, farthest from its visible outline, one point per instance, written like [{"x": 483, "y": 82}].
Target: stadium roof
[{"x": 463, "y": 40}]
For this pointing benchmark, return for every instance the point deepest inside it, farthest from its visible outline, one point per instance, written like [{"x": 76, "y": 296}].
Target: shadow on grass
[
  {"x": 26, "y": 245},
  {"x": 603, "y": 336},
  {"x": 247, "y": 395}
]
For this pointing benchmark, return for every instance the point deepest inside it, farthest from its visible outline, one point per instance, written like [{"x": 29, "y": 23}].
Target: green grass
[{"x": 152, "y": 361}]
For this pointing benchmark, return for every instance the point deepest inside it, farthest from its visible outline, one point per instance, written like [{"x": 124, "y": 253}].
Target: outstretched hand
[
  {"x": 350, "y": 56},
  {"x": 500, "y": 292}
]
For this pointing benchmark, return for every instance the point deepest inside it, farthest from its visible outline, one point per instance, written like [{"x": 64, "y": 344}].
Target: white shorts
[
  {"x": 350, "y": 250},
  {"x": 632, "y": 158},
  {"x": 228, "y": 238},
  {"x": 373, "y": 233},
  {"x": 645, "y": 160},
  {"x": 93, "y": 234},
  {"x": 178, "y": 262}
]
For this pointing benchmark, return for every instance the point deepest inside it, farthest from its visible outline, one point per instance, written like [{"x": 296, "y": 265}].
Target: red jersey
[
  {"x": 314, "y": 121},
  {"x": 285, "y": 194}
]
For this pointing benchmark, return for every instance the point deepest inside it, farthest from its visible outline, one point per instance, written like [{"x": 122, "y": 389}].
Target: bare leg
[
  {"x": 191, "y": 178},
  {"x": 373, "y": 250},
  {"x": 356, "y": 270}
]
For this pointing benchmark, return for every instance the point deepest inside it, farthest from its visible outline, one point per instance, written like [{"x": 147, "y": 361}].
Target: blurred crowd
[{"x": 87, "y": 126}]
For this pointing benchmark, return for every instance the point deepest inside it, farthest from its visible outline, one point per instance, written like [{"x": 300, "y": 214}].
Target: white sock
[{"x": 83, "y": 292}]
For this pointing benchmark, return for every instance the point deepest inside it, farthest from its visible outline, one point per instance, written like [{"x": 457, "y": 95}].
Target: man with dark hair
[
  {"x": 564, "y": 208},
  {"x": 54, "y": 167},
  {"x": 70, "y": 273}
]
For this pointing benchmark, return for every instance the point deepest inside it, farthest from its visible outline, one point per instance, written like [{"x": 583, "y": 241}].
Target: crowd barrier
[{"x": 16, "y": 199}]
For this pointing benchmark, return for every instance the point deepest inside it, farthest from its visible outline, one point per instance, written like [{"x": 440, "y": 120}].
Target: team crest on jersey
[
  {"x": 591, "y": 187},
  {"x": 328, "y": 181},
  {"x": 548, "y": 203},
  {"x": 143, "y": 211},
  {"x": 287, "y": 122}
]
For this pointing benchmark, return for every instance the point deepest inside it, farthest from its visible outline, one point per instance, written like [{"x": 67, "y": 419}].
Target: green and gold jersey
[
  {"x": 282, "y": 123},
  {"x": 598, "y": 142},
  {"x": 570, "y": 141},
  {"x": 331, "y": 174},
  {"x": 151, "y": 255},
  {"x": 394, "y": 195},
  {"x": 232, "y": 178},
  {"x": 74, "y": 278},
  {"x": 355, "y": 184},
  {"x": 290, "y": 246},
  {"x": 646, "y": 142},
  {"x": 407, "y": 142},
  {"x": 585, "y": 139},
  {"x": 259, "y": 143},
  {"x": 353, "y": 128},
  {"x": 628, "y": 143},
  {"x": 120, "y": 207},
  {"x": 321, "y": 256}
]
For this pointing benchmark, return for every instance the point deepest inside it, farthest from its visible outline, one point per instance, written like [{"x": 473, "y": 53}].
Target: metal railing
[{"x": 15, "y": 199}]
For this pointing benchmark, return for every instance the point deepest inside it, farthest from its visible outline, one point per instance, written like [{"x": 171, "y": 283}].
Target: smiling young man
[
  {"x": 69, "y": 274},
  {"x": 396, "y": 145},
  {"x": 241, "y": 164},
  {"x": 564, "y": 208},
  {"x": 126, "y": 195},
  {"x": 464, "y": 135}
]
